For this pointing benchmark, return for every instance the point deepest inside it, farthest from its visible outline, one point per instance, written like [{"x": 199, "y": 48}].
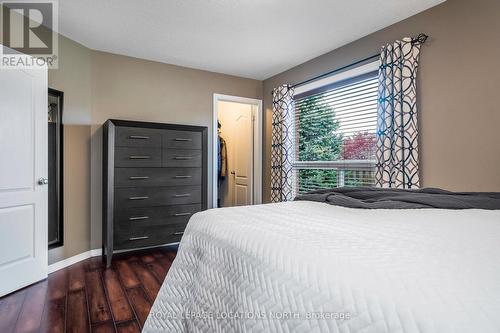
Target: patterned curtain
[
  {"x": 282, "y": 144},
  {"x": 397, "y": 142}
]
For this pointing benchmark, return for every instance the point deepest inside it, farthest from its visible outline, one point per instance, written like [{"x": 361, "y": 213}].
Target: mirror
[{"x": 55, "y": 171}]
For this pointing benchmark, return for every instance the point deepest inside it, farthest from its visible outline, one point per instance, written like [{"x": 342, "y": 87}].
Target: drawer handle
[
  {"x": 136, "y": 218},
  {"x": 139, "y": 157},
  {"x": 183, "y": 157},
  {"x": 138, "y": 177},
  {"x": 182, "y": 214},
  {"x": 138, "y": 238},
  {"x": 138, "y": 198},
  {"x": 182, "y": 195},
  {"x": 182, "y": 139},
  {"x": 178, "y": 233},
  {"x": 182, "y": 177},
  {"x": 139, "y": 137}
]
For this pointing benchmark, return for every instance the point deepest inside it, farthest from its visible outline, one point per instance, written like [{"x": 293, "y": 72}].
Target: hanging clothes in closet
[{"x": 221, "y": 155}]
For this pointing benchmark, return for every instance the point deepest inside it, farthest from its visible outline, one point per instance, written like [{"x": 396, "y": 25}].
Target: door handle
[
  {"x": 233, "y": 173},
  {"x": 43, "y": 181},
  {"x": 138, "y": 238},
  {"x": 182, "y": 214},
  {"x": 181, "y": 195},
  {"x": 138, "y": 198},
  {"x": 139, "y": 157},
  {"x": 138, "y": 177},
  {"x": 135, "y": 218},
  {"x": 139, "y": 137},
  {"x": 182, "y": 177}
]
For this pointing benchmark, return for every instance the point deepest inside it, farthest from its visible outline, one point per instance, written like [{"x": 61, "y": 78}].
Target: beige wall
[
  {"x": 76, "y": 193},
  {"x": 73, "y": 78},
  {"x": 134, "y": 89},
  {"x": 458, "y": 86},
  {"x": 458, "y": 91},
  {"x": 98, "y": 86}
]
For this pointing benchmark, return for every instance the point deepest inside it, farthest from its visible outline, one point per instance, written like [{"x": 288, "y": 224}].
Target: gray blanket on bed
[{"x": 378, "y": 198}]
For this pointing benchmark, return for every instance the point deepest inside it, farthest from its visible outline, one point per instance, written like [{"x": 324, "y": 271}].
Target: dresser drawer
[
  {"x": 151, "y": 236},
  {"x": 154, "y": 216},
  {"x": 154, "y": 180},
  {"x": 181, "y": 139},
  {"x": 181, "y": 158},
  {"x": 156, "y": 196},
  {"x": 144, "y": 177},
  {"x": 138, "y": 137},
  {"x": 137, "y": 157}
]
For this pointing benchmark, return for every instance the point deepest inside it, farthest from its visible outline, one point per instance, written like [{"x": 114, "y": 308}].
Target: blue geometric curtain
[
  {"x": 282, "y": 144},
  {"x": 397, "y": 140}
]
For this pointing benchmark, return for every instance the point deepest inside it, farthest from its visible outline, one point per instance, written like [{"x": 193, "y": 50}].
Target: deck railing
[{"x": 313, "y": 175}]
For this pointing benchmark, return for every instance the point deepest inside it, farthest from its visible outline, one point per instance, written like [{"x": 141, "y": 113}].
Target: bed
[{"x": 313, "y": 266}]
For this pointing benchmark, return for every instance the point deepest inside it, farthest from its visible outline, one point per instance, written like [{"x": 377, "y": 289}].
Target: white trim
[
  {"x": 257, "y": 144},
  {"x": 350, "y": 73},
  {"x": 73, "y": 260},
  {"x": 93, "y": 253}
]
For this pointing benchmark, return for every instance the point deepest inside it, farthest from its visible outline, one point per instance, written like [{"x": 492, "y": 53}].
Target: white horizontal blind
[{"x": 335, "y": 135}]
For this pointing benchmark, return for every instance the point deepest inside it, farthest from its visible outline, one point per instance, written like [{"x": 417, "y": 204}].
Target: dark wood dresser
[{"x": 154, "y": 179}]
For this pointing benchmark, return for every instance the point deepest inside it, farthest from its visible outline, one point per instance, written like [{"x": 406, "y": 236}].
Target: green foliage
[
  {"x": 319, "y": 140},
  {"x": 318, "y": 137},
  {"x": 313, "y": 179}
]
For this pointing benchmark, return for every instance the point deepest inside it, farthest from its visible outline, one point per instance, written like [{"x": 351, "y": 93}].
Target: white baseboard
[
  {"x": 73, "y": 260},
  {"x": 95, "y": 252},
  {"x": 92, "y": 253}
]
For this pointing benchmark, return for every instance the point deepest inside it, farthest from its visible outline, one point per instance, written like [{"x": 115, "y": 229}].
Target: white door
[
  {"x": 243, "y": 157},
  {"x": 23, "y": 163}
]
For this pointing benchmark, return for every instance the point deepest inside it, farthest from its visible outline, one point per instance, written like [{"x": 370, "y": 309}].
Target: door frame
[{"x": 257, "y": 145}]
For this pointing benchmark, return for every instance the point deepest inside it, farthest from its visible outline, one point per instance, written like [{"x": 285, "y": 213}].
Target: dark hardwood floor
[{"x": 86, "y": 297}]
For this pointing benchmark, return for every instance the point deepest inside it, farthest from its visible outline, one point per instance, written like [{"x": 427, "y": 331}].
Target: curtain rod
[{"x": 420, "y": 39}]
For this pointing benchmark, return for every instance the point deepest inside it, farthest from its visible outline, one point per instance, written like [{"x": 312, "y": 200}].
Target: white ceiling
[{"x": 249, "y": 38}]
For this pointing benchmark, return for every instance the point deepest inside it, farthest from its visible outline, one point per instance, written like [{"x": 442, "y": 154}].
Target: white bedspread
[{"x": 313, "y": 267}]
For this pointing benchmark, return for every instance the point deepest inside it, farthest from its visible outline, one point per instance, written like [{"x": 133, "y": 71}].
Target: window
[{"x": 335, "y": 134}]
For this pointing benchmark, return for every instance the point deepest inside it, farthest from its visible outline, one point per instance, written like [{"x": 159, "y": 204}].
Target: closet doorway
[{"x": 237, "y": 146}]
